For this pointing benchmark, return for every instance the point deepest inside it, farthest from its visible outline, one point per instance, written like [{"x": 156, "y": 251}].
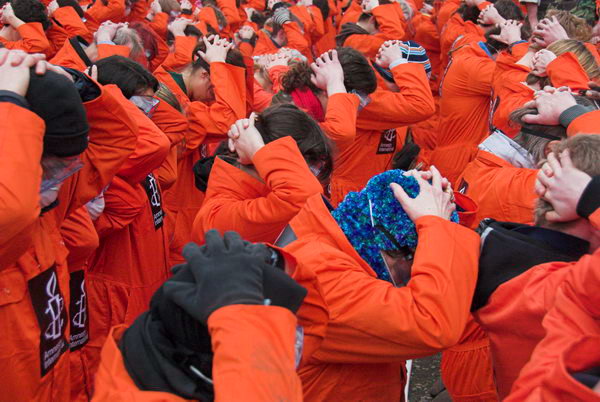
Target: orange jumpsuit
[
  {"x": 359, "y": 330},
  {"x": 132, "y": 260},
  {"x": 464, "y": 108},
  {"x": 207, "y": 124},
  {"x": 502, "y": 192},
  {"x": 66, "y": 24},
  {"x": 257, "y": 209},
  {"x": 258, "y": 366},
  {"x": 34, "y": 275},
  {"x": 377, "y": 137}
]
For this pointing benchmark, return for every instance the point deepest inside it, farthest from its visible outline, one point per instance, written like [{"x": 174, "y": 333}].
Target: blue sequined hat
[{"x": 373, "y": 220}]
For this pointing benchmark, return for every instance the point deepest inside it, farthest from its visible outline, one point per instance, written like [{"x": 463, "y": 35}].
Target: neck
[{"x": 92, "y": 52}]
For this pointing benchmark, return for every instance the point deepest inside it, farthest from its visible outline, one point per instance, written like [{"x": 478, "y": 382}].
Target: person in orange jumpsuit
[
  {"x": 34, "y": 274},
  {"x": 360, "y": 328},
  {"x": 285, "y": 33},
  {"x": 66, "y": 24},
  {"x": 24, "y": 24},
  {"x": 501, "y": 178},
  {"x": 379, "y": 24},
  {"x": 131, "y": 228},
  {"x": 212, "y": 92},
  {"x": 227, "y": 333},
  {"x": 408, "y": 100},
  {"x": 465, "y": 94},
  {"x": 513, "y": 320},
  {"x": 268, "y": 184},
  {"x": 564, "y": 363}
]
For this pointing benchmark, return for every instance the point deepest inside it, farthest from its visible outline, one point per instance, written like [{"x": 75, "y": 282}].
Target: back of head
[
  {"x": 323, "y": 6},
  {"x": 287, "y": 120},
  {"x": 56, "y": 100},
  {"x": 358, "y": 73},
  {"x": 130, "y": 38},
  {"x": 584, "y": 151},
  {"x": 297, "y": 77},
  {"x": 585, "y": 58},
  {"x": 131, "y": 78},
  {"x": 535, "y": 138},
  {"x": 31, "y": 11},
  {"x": 170, "y": 6}
]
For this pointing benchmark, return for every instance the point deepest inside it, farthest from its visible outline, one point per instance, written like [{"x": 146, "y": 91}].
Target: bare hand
[
  {"x": 432, "y": 199},
  {"x": 52, "y": 7},
  {"x": 490, "y": 16},
  {"x": 541, "y": 60},
  {"x": 510, "y": 32},
  {"x": 216, "y": 49},
  {"x": 328, "y": 73},
  {"x": 177, "y": 27},
  {"x": 389, "y": 52},
  {"x": 245, "y": 139},
  {"x": 107, "y": 31},
  {"x": 15, "y": 70},
  {"x": 561, "y": 184},
  {"x": 9, "y": 17},
  {"x": 549, "y": 31},
  {"x": 549, "y": 106}
]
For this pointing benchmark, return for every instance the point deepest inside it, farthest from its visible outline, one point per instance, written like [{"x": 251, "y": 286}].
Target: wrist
[
  {"x": 589, "y": 201},
  {"x": 103, "y": 38},
  {"x": 15, "y": 22},
  {"x": 336, "y": 87},
  {"x": 397, "y": 62},
  {"x": 571, "y": 113}
]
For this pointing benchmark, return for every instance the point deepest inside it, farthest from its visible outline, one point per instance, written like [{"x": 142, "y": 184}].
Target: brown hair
[
  {"x": 536, "y": 137},
  {"x": 584, "y": 151},
  {"x": 169, "y": 6},
  {"x": 585, "y": 58}
]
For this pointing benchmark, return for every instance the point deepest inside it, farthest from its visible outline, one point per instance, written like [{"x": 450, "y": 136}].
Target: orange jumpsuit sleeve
[
  {"x": 151, "y": 149},
  {"x": 260, "y": 365},
  {"x": 33, "y": 39},
  {"x": 159, "y": 24},
  {"x": 412, "y": 104},
  {"x": 426, "y": 316},
  {"x": 211, "y": 122},
  {"x": 565, "y": 70},
  {"x": 182, "y": 55},
  {"x": 122, "y": 204},
  {"x": 390, "y": 28},
  {"x": 573, "y": 315},
  {"x": 288, "y": 178},
  {"x": 21, "y": 146},
  {"x": 340, "y": 118},
  {"x": 585, "y": 124},
  {"x": 295, "y": 38},
  {"x": 171, "y": 122},
  {"x": 319, "y": 24},
  {"x": 98, "y": 13},
  {"x": 510, "y": 97},
  {"x": 456, "y": 27},
  {"x": 112, "y": 139}
]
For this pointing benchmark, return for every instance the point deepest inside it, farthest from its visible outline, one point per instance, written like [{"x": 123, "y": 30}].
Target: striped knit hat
[{"x": 413, "y": 53}]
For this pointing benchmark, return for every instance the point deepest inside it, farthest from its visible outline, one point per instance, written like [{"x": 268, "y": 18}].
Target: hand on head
[
  {"x": 15, "y": 69},
  {"x": 561, "y": 184},
  {"x": 550, "y": 103},
  {"x": 245, "y": 139},
  {"x": 328, "y": 73}
]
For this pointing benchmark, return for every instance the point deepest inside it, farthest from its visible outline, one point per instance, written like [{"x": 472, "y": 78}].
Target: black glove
[{"x": 226, "y": 272}]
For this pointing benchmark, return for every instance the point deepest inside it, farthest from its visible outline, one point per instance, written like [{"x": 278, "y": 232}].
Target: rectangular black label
[
  {"x": 78, "y": 311},
  {"x": 151, "y": 186},
  {"x": 387, "y": 143},
  {"x": 49, "y": 305}
]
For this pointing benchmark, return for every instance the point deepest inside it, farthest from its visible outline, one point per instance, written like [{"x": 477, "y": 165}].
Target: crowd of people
[{"x": 281, "y": 200}]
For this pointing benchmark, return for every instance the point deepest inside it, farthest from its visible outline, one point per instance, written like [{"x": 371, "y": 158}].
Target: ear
[{"x": 550, "y": 147}]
